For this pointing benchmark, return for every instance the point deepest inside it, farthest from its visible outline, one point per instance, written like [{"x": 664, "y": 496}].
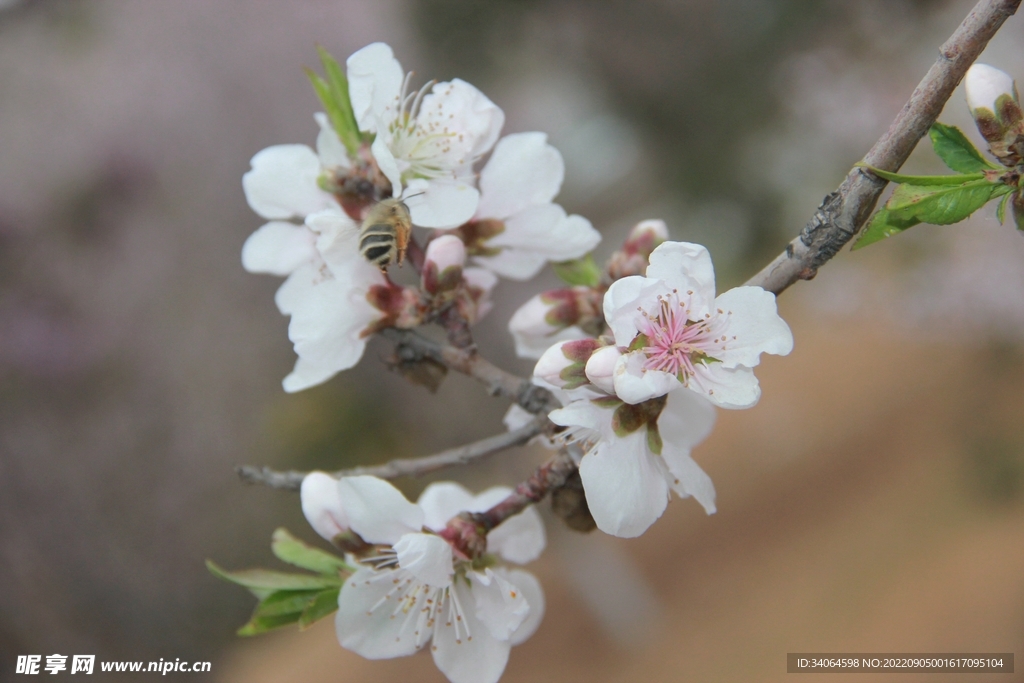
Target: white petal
[
  {"x": 374, "y": 85},
  {"x": 377, "y": 511},
  {"x": 530, "y": 586},
  {"x": 369, "y": 622},
  {"x": 625, "y": 487},
  {"x": 634, "y": 384},
  {"x": 546, "y": 230},
  {"x": 329, "y": 147},
  {"x": 427, "y": 557},
  {"x": 443, "y": 204},
  {"x": 513, "y": 264},
  {"x": 600, "y": 369},
  {"x": 278, "y": 248},
  {"x": 523, "y": 171},
  {"x": 622, "y": 302},
  {"x": 682, "y": 266},
  {"x": 322, "y": 505},
  {"x": 460, "y": 108},
  {"x": 751, "y": 316},
  {"x": 985, "y": 84},
  {"x": 283, "y": 183},
  {"x": 446, "y": 251},
  {"x": 387, "y": 164},
  {"x": 733, "y": 388},
  {"x": 520, "y": 538},
  {"x": 500, "y": 605},
  {"x": 483, "y": 281},
  {"x": 328, "y": 319},
  {"x": 337, "y": 243},
  {"x": 584, "y": 414},
  {"x": 534, "y": 346},
  {"x": 686, "y": 421},
  {"x": 441, "y": 501},
  {"x": 548, "y": 370},
  {"x": 517, "y": 417},
  {"x": 295, "y": 289},
  {"x": 473, "y": 656}
]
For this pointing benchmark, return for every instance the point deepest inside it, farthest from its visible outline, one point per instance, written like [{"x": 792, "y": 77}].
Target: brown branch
[
  {"x": 411, "y": 346},
  {"x": 842, "y": 213},
  {"x": 405, "y": 467}
]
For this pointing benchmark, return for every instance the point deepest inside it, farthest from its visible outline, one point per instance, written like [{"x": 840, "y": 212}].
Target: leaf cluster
[
  {"x": 333, "y": 94},
  {"x": 286, "y": 598},
  {"x": 940, "y": 200}
]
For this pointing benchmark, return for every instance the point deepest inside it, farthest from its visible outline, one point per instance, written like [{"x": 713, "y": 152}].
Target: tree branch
[
  {"x": 405, "y": 467},
  {"x": 411, "y": 346},
  {"x": 842, "y": 213}
]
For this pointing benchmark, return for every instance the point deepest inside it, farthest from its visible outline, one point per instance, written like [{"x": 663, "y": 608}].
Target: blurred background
[{"x": 873, "y": 500}]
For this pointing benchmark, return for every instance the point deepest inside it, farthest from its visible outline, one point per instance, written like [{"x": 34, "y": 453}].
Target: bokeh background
[{"x": 873, "y": 500}]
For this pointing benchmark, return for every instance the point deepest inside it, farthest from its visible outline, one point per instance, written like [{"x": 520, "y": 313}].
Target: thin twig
[
  {"x": 411, "y": 346},
  {"x": 843, "y": 212},
  {"x": 405, "y": 467}
]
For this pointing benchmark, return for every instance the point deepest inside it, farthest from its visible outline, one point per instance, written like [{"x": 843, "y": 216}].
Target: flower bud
[
  {"x": 442, "y": 267},
  {"x": 321, "y": 504},
  {"x": 632, "y": 259},
  {"x": 601, "y": 368},
  {"x": 992, "y": 99},
  {"x": 563, "y": 365},
  {"x": 554, "y": 316}
]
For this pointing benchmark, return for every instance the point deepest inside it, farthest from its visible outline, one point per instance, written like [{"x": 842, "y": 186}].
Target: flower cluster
[
  {"x": 422, "y": 148},
  {"x": 411, "y": 587},
  {"x": 637, "y": 352}
]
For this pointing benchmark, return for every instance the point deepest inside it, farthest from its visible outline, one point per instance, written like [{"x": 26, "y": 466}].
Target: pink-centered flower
[{"x": 672, "y": 330}]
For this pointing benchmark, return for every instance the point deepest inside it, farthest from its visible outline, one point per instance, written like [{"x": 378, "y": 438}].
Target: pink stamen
[{"x": 674, "y": 343}]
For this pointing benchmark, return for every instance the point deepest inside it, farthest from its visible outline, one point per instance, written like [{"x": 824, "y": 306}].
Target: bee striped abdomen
[{"x": 377, "y": 245}]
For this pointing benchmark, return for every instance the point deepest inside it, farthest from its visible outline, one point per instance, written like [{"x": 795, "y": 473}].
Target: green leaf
[
  {"x": 582, "y": 271},
  {"x": 924, "y": 179},
  {"x": 266, "y": 581},
  {"x": 289, "y": 549},
  {"x": 956, "y": 150},
  {"x": 1001, "y": 209},
  {"x": 882, "y": 225},
  {"x": 333, "y": 94},
  {"x": 284, "y": 602},
  {"x": 258, "y": 625},
  {"x": 324, "y": 604}
]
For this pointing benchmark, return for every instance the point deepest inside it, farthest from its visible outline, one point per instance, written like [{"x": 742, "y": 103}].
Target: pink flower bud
[
  {"x": 554, "y": 316},
  {"x": 632, "y": 259},
  {"x": 442, "y": 268},
  {"x": 321, "y": 504},
  {"x": 601, "y": 368}
]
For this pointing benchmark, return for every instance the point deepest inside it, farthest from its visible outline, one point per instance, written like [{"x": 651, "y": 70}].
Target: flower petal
[
  {"x": 753, "y": 326},
  {"x": 733, "y": 388},
  {"x": 623, "y": 303},
  {"x": 283, "y": 183},
  {"x": 547, "y": 231},
  {"x": 465, "y": 651},
  {"x": 530, "y": 587},
  {"x": 500, "y": 605},
  {"x": 520, "y": 538},
  {"x": 427, "y": 557},
  {"x": 634, "y": 384},
  {"x": 374, "y": 85},
  {"x": 473, "y": 121},
  {"x": 322, "y": 505},
  {"x": 279, "y": 248},
  {"x": 513, "y": 264},
  {"x": 387, "y": 164},
  {"x": 329, "y": 147},
  {"x": 441, "y": 501},
  {"x": 523, "y": 171},
  {"x": 684, "y": 266},
  {"x": 377, "y": 511},
  {"x": 625, "y": 487},
  {"x": 442, "y": 204},
  {"x": 337, "y": 243},
  {"x": 686, "y": 421},
  {"x": 586, "y": 415},
  {"x": 370, "y": 623}
]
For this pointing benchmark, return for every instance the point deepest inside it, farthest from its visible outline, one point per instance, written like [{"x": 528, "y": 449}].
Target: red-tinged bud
[
  {"x": 632, "y": 259},
  {"x": 554, "y": 316},
  {"x": 562, "y": 366},
  {"x": 600, "y": 368},
  {"x": 995, "y": 106},
  {"x": 442, "y": 268}
]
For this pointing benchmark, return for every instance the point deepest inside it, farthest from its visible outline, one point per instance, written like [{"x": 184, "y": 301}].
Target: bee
[{"x": 384, "y": 235}]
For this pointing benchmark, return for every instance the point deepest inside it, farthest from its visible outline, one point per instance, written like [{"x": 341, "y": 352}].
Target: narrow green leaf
[
  {"x": 1001, "y": 209},
  {"x": 289, "y": 549},
  {"x": 285, "y": 602},
  {"x": 258, "y": 625},
  {"x": 343, "y": 120},
  {"x": 946, "y": 205},
  {"x": 324, "y": 604},
  {"x": 956, "y": 151},
  {"x": 582, "y": 271},
  {"x": 880, "y": 227},
  {"x": 264, "y": 579},
  {"x": 924, "y": 179}
]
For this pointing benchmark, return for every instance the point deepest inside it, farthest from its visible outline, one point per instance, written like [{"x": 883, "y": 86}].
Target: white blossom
[
  {"x": 416, "y": 591},
  {"x": 673, "y": 330},
  {"x": 524, "y": 228},
  {"x": 425, "y": 143},
  {"x": 985, "y": 84}
]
